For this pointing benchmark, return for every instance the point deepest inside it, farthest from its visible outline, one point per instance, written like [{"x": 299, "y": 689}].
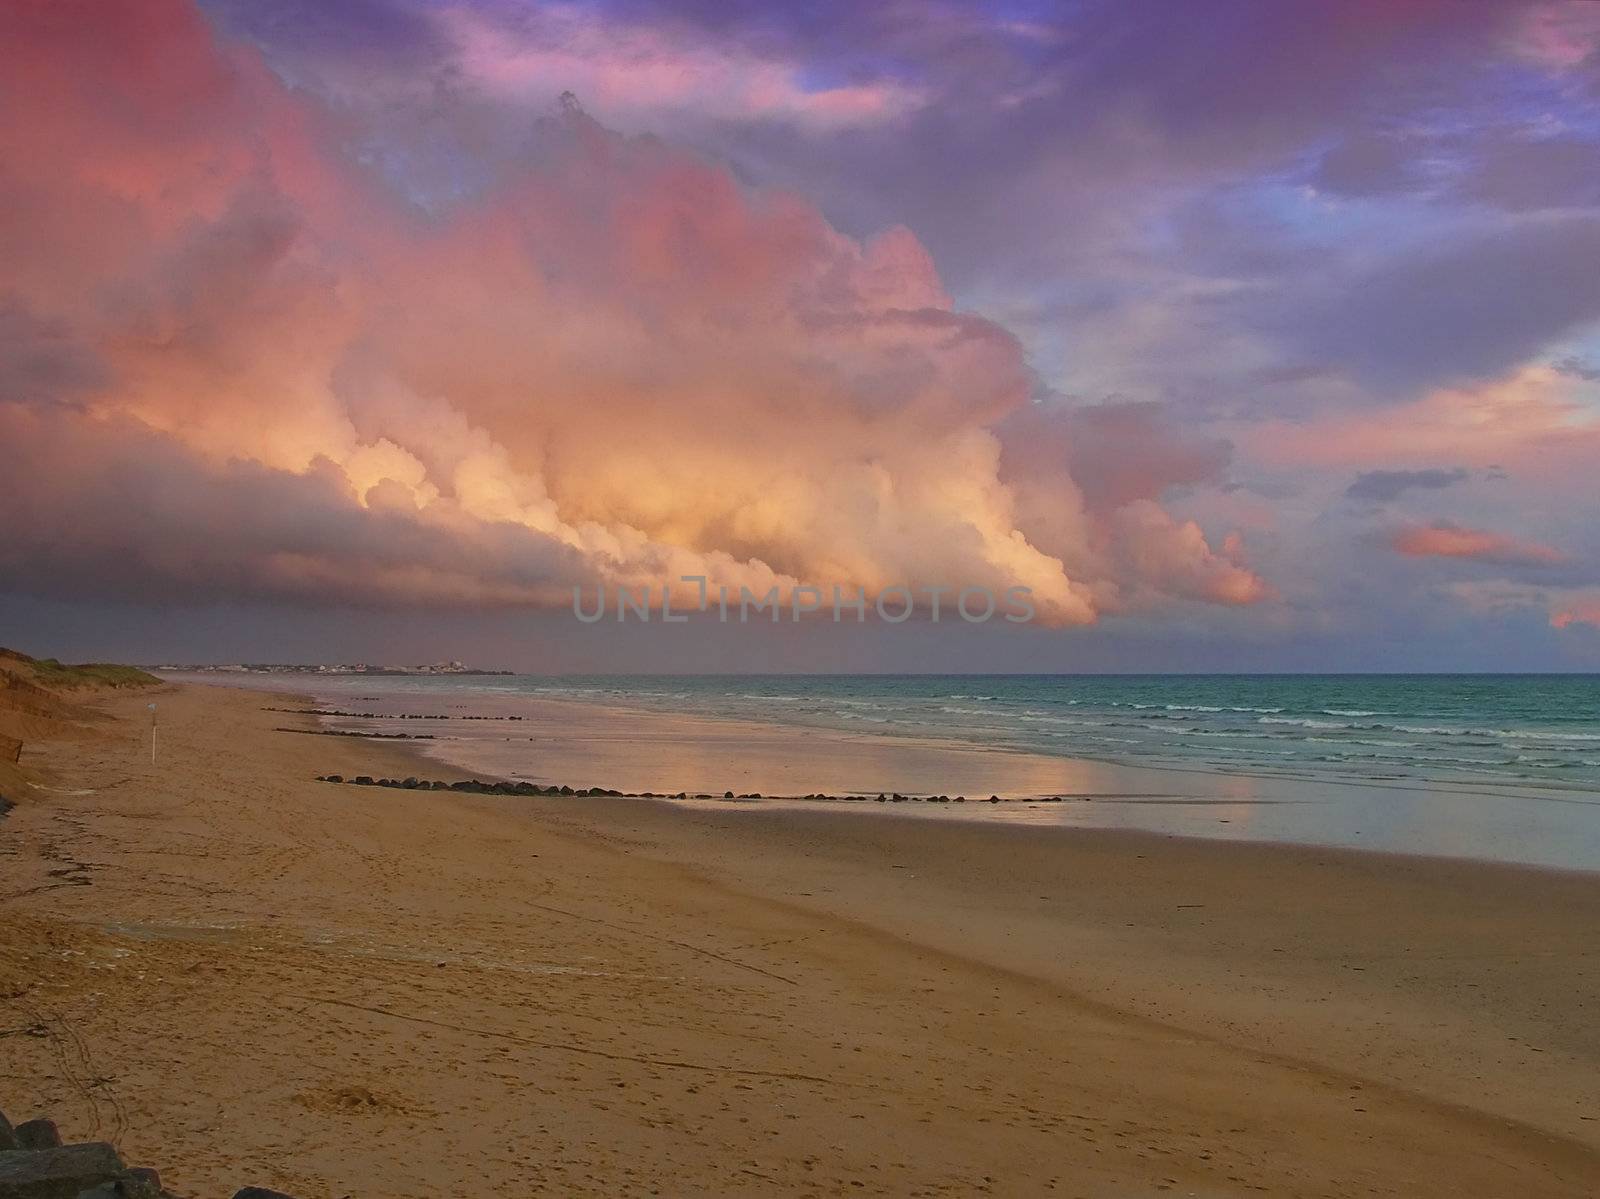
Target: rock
[
  {"x": 994, "y": 799},
  {"x": 727, "y": 795},
  {"x": 336, "y": 778},
  {"x": 61, "y": 1173},
  {"x": 143, "y": 1176},
  {"x": 363, "y": 780},
  {"x": 135, "y": 1184},
  {"x": 412, "y": 783},
  {"x": 259, "y": 1193},
  {"x": 565, "y": 790},
  {"x": 8, "y": 1135},
  {"x": 439, "y": 785},
  {"x": 39, "y": 1134}
]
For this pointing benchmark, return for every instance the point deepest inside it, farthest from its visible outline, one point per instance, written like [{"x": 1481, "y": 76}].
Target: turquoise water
[{"x": 1519, "y": 730}]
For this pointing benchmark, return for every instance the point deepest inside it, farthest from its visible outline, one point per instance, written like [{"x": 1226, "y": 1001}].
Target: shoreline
[
  {"x": 594, "y": 996},
  {"x": 585, "y": 744}
]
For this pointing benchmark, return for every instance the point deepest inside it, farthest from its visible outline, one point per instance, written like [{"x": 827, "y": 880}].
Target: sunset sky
[{"x": 1247, "y": 334}]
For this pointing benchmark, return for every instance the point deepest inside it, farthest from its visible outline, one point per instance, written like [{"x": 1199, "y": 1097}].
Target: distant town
[{"x": 339, "y": 668}]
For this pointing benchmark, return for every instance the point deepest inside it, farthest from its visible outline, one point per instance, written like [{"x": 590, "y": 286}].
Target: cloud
[
  {"x": 103, "y": 507},
  {"x": 1583, "y": 613},
  {"x": 1367, "y": 164},
  {"x": 1536, "y": 419},
  {"x": 41, "y": 360},
  {"x": 1384, "y": 486},
  {"x": 632, "y": 70},
  {"x": 1441, "y": 539},
  {"x": 614, "y": 362},
  {"x": 1562, "y": 607},
  {"x": 1529, "y": 173},
  {"x": 1469, "y": 308}
]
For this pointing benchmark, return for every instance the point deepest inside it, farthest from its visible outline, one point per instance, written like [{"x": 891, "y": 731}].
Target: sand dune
[{"x": 241, "y": 974}]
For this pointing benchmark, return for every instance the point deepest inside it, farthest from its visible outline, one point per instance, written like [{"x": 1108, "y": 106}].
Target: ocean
[
  {"x": 1542, "y": 730},
  {"x": 1494, "y": 767}
]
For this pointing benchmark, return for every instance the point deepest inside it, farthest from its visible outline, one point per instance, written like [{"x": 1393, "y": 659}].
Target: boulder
[
  {"x": 39, "y": 1134},
  {"x": 60, "y": 1173},
  {"x": 8, "y": 1135},
  {"x": 259, "y": 1193},
  {"x": 135, "y": 1184}
]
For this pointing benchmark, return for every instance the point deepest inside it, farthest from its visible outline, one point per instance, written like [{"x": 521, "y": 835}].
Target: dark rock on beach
[
  {"x": 34, "y": 1164},
  {"x": 39, "y": 1134},
  {"x": 68, "y": 1171}
]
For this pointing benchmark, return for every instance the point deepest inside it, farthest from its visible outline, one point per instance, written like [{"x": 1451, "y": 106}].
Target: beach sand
[{"x": 240, "y": 974}]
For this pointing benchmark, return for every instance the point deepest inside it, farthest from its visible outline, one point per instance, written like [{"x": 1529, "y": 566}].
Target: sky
[{"x": 1244, "y": 335}]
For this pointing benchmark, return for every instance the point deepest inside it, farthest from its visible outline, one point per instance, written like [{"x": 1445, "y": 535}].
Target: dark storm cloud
[
  {"x": 1382, "y": 486},
  {"x": 1466, "y": 309},
  {"x": 42, "y": 360}
]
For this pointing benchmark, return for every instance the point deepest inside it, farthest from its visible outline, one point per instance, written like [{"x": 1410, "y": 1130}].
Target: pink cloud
[
  {"x": 629, "y": 70},
  {"x": 617, "y": 364},
  {"x": 1558, "y": 35},
  {"x": 1536, "y": 416},
  {"x": 1581, "y": 614},
  {"x": 1442, "y": 539}
]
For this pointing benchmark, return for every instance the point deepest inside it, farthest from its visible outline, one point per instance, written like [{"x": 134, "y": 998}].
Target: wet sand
[{"x": 242, "y": 974}]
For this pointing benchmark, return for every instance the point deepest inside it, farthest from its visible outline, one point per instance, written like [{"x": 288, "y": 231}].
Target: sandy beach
[{"x": 240, "y": 974}]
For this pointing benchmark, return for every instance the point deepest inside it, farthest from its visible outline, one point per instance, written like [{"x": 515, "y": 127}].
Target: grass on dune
[{"x": 49, "y": 672}]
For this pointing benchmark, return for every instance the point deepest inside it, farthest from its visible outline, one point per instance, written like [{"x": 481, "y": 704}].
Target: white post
[{"x": 152, "y": 734}]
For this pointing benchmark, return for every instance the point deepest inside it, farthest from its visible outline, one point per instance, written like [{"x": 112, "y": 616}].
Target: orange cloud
[
  {"x": 1566, "y": 618},
  {"x": 1442, "y": 539},
  {"x": 1536, "y": 416},
  {"x": 616, "y": 364}
]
